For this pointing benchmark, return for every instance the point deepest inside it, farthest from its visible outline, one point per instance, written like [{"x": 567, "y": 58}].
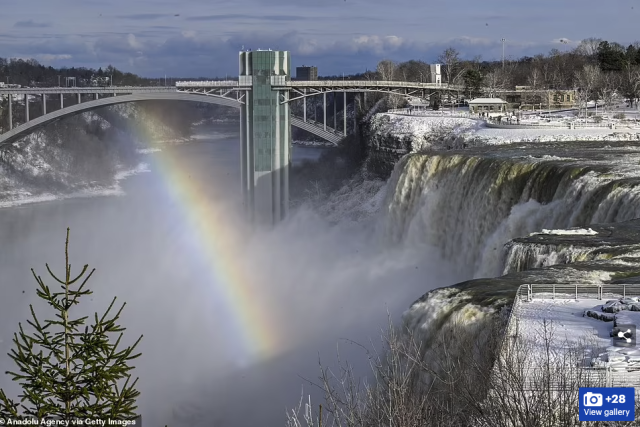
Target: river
[{"x": 316, "y": 283}]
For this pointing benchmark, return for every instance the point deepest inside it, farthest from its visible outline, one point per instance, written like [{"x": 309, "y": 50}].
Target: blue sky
[{"x": 202, "y": 37}]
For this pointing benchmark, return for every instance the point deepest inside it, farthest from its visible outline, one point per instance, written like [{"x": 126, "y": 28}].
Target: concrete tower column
[
  {"x": 97, "y": 96},
  {"x": 265, "y": 127},
  {"x": 61, "y": 101},
  {"x": 79, "y": 98},
  {"x": 44, "y": 104}
]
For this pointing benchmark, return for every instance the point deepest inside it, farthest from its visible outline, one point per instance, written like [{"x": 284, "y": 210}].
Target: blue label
[{"x": 607, "y": 404}]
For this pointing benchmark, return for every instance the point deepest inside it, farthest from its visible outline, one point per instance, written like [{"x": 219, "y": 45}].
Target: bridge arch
[{"x": 28, "y": 127}]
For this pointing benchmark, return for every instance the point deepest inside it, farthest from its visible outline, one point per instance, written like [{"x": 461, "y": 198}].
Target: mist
[{"x": 316, "y": 283}]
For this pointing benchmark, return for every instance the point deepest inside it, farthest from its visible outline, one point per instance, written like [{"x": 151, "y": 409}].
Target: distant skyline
[{"x": 202, "y": 38}]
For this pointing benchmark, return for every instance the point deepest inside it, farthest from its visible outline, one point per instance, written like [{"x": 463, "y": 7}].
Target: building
[
  {"x": 266, "y": 131},
  {"x": 488, "y": 106},
  {"x": 435, "y": 75},
  {"x": 306, "y": 73},
  {"x": 526, "y": 98}
]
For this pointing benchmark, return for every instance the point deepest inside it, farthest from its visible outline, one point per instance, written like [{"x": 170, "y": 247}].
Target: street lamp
[{"x": 503, "y": 40}]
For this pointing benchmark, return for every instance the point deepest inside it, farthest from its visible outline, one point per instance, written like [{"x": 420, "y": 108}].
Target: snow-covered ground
[
  {"x": 571, "y": 328},
  {"x": 313, "y": 143},
  {"x": 570, "y": 231},
  {"x": 423, "y": 127}
]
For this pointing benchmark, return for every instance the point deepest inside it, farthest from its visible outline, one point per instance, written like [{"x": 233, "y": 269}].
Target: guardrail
[
  {"x": 577, "y": 291},
  {"x": 431, "y": 113},
  {"x": 209, "y": 83},
  {"x": 600, "y": 376},
  {"x": 370, "y": 83}
]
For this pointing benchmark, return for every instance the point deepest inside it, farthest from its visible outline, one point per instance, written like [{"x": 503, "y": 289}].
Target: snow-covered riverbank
[{"x": 425, "y": 132}]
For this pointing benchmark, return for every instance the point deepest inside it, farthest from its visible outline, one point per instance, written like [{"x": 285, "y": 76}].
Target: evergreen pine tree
[{"x": 67, "y": 369}]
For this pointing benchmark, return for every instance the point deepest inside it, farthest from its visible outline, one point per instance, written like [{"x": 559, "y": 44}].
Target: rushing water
[
  {"x": 446, "y": 218},
  {"x": 318, "y": 282}
]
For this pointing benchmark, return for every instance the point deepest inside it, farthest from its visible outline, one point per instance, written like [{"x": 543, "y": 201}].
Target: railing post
[
  {"x": 554, "y": 291},
  {"x": 344, "y": 117},
  {"x": 576, "y": 292},
  {"x": 304, "y": 106},
  {"x": 335, "y": 119},
  {"x": 324, "y": 109},
  {"x": 624, "y": 291},
  {"x": 529, "y": 293},
  {"x": 10, "y": 111}
]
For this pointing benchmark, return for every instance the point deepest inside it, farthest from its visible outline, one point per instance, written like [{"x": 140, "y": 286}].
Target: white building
[
  {"x": 488, "y": 106},
  {"x": 435, "y": 74}
]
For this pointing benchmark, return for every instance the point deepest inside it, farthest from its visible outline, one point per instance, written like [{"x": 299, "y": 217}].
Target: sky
[{"x": 201, "y": 38}]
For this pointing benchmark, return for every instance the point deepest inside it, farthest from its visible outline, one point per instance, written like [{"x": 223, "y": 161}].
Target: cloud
[
  {"x": 236, "y": 16},
  {"x": 192, "y": 53},
  {"x": 31, "y": 24},
  {"x": 144, "y": 16},
  {"x": 52, "y": 58}
]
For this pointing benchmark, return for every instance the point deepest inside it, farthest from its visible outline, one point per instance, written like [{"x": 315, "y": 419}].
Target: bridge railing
[
  {"x": 431, "y": 113},
  {"x": 371, "y": 83},
  {"x": 208, "y": 83}
]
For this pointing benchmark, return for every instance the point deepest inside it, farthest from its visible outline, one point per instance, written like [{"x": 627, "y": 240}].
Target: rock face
[
  {"x": 81, "y": 152},
  {"x": 390, "y": 136},
  {"x": 500, "y": 213}
]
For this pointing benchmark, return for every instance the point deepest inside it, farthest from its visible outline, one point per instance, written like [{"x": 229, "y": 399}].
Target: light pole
[{"x": 503, "y": 40}]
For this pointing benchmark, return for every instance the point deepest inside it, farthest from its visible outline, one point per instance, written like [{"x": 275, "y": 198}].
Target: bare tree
[
  {"x": 387, "y": 69},
  {"x": 588, "y": 47},
  {"x": 494, "y": 82},
  {"x": 607, "y": 88},
  {"x": 630, "y": 84},
  {"x": 587, "y": 81},
  {"x": 535, "y": 78},
  {"x": 450, "y": 58},
  {"x": 464, "y": 374}
]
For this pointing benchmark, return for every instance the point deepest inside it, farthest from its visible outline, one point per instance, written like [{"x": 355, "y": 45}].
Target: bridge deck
[{"x": 232, "y": 85}]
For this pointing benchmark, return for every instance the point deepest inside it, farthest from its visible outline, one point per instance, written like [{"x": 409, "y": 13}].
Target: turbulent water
[
  {"x": 442, "y": 218},
  {"x": 480, "y": 208}
]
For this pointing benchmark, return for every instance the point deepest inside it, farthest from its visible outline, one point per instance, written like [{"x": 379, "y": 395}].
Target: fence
[
  {"x": 431, "y": 113},
  {"x": 577, "y": 291},
  {"x": 598, "y": 376}
]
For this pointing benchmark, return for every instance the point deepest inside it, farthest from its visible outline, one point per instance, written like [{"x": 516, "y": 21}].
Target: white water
[
  {"x": 323, "y": 275},
  {"x": 470, "y": 213},
  {"x": 319, "y": 281}
]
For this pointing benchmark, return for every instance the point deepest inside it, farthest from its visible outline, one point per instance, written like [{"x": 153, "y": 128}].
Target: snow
[
  {"x": 422, "y": 124},
  {"x": 568, "y": 232},
  {"x": 313, "y": 143},
  {"x": 571, "y": 328}
]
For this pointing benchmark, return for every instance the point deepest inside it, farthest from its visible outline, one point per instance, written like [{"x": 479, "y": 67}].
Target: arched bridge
[
  {"x": 139, "y": 94},
  {"x": 263, "y": 94}
]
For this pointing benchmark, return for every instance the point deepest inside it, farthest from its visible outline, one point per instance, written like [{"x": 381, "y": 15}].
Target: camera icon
[{"x": 592, "y": 399}]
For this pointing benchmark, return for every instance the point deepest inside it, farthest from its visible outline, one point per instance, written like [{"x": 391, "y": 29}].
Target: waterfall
[{"x": 470, "y": 205}]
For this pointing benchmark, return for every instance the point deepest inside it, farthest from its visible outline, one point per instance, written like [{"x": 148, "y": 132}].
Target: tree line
[
  {"x": 30, "y": 73},
  {"x": 596, "y": 68}
]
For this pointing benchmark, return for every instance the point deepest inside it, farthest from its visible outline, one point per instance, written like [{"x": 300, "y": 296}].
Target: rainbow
[{"x": 218, "y": 242}]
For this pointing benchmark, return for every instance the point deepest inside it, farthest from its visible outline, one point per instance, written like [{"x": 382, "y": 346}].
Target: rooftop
[{"x": 487, "y": 101}]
